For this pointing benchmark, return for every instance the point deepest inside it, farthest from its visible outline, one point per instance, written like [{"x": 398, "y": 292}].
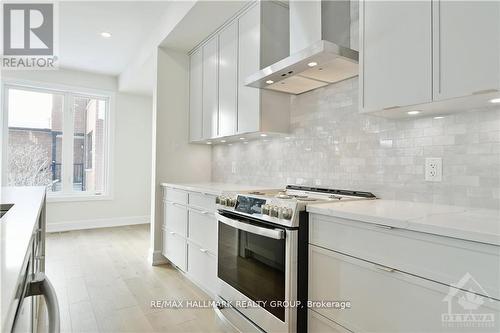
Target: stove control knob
[
  {"x": 223, "y": 201},
  {"x": 217, "y": 200},
  {"x": 274, "y": 212},
  {"x": 231, "y": 202},
  {"x": 286, "y": 213},
  {"x": 265, "y": 209}
]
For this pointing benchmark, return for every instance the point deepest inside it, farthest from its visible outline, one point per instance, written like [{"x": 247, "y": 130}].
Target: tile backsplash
[{"x": 330, "y": 144}]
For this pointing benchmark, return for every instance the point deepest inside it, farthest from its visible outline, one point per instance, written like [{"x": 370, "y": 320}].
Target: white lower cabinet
[
  {"x": 203, "y": 229},
  {"x": 317, "y": 323},
  {"x": 190, "y": 235},
  {"x": 202, "y": 267},
  {"x": 175, "y": 248},
  {"x": 386, "y": 300}
]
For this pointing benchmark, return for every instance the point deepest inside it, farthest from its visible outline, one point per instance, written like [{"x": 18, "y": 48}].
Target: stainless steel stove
[{"x": 262, "y": 253}]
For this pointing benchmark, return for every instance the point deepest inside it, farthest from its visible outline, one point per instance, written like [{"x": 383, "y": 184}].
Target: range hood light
[
  {"x": 312, "y": 64},
  {"x": 269, "y": 81}
]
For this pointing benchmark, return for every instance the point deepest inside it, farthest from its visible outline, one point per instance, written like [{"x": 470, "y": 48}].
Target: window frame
[{"x": 70, "y": 93}]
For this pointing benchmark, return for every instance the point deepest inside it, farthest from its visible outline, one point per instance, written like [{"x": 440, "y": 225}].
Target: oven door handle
[{"x": 266, "y": 232}]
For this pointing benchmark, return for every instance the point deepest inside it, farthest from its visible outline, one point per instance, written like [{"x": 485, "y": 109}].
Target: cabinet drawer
[
  {"x": 175, "y": 248},
  {"x": 202, "y": 268},
  {"x": 176, "y": 217},
  {"x": 175, "y": 195},
  {"x": 317, "y": 323},
  {"x": 385, "y": 301},
  {"x": 202, "y": 201},
  {"x": 437, "y": 258},
  {"x": 203, "y": 229}
]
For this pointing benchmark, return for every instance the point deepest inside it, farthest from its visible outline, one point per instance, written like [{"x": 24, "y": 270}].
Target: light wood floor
[{"x": 104, "y": 283}]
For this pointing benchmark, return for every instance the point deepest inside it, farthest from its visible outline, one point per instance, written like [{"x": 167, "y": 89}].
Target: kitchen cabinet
[
  {"x": 396, "y": 58},
  {"x": 466, "y": 48},
  {"x": 195, "y": 96},
  {"x": 427, "y": 56},
  {"x": 190, "y": 235},
  {"x": 257, "y": 37},
  {"x": 386, "y": 273},
  {"x": 210, "y": 98},
  {"x": 228, "y": 79},
  {"x": 249, "y": 63},
  {"x": 263, "y": 40}
]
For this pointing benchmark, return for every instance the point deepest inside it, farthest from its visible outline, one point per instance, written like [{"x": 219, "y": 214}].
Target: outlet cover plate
[{"x": 433, "y": 169}]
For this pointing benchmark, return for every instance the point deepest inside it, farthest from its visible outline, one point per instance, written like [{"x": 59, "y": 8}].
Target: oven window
[{"x": 254, "y": 265}]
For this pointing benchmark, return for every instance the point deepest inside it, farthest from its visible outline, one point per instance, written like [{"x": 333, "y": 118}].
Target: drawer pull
[
  {"x": 203, "y": 250},
  {"x": 391, "y": 107},
  {"x": 486, "y": 91},
  {"x": 384, "y": 268},
  {"x": 172, "y": 233},
  {"x": 381, "y": 226}
]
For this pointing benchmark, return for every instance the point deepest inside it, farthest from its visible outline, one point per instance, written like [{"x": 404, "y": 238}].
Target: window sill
[{"x": 77, "y": 197}]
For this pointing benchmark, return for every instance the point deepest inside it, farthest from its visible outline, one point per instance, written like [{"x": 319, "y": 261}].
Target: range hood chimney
[{"x": 320, "y": 52}]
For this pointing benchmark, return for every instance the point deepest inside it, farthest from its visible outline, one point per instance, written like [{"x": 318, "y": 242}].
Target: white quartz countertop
[
  {"x": 479, "y": 225},
  {"x": 214, "y": 188},
  {"x": 16, "y": 229}
]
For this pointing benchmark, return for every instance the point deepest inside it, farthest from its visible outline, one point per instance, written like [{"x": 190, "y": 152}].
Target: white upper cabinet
[
  {"x": 195, "y": 96},
  {"x": 228, "y": 79},
  {"x": 396, "y": 54},
  {"x": 249, "y": 63},
  {"x": 210, "y": 99},
  {"x": 221, "y": 105},
  {"x": 466, "y": 48},
  {"x": 433, "y": 56}
]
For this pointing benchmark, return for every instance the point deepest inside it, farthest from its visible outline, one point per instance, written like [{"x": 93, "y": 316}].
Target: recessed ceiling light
[
  {"x": 269, "y": 81},
  {"x": 263, "y": 135},
  {"x": 312, "y": 64},
  {"x": 412, "y": 113},
  {"x": 438, "y": 117},
  {"x": 106, "y": 34},
  {"x": 495, "y": 100}
]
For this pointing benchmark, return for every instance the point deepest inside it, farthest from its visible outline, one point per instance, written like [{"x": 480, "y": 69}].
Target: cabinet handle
[
  {"x": 391, "y": 107},
  {"x": 381, "y": 226},
  {"x": 486, "y": 91},
  {"x": 172, "y": 233},
  {"x": 203, "y": 250},
  {"x": 384, "y": 268}
]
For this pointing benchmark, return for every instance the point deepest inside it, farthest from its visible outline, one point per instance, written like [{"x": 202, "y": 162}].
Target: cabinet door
[
  {"x": 210, "y": 88},
  {"x": 248, "y": 63},
  {"x": 202, "y": 268},
  {"x": 466, "y": 47},
  {"x": 385, "y": 300},
  {"x": 195, "y": 96},
  {"x": 175, "y": 248},
  {"x": 395, "y": 54},
  {"x": 228, "y": 79}
]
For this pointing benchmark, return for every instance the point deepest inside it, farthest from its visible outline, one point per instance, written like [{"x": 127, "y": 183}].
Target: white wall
[
  {"x": 174, "y": 159},
  {"x": 131, "y": 165}
]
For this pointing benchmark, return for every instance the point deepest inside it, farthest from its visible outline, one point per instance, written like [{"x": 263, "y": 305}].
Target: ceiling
[{"x": 81, "y": 22}]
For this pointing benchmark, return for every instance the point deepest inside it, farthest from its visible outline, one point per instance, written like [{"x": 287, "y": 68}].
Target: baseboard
[
  {"x": 97, "y": 223},
  {"x": 157, "y": 258}
]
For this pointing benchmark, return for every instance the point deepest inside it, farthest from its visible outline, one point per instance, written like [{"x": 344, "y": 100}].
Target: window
[{"x": 57, "y": 139}]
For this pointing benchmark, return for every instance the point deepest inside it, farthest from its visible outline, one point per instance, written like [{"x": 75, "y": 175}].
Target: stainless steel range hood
[{"x": 320, "y": 31}]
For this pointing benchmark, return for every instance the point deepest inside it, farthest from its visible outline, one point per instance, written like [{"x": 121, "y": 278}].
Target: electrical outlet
[{"x": 433, "y": 169}]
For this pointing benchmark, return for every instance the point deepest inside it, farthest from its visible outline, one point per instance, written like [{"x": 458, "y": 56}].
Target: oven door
[{"x": 258, "y": 262}]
